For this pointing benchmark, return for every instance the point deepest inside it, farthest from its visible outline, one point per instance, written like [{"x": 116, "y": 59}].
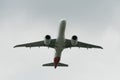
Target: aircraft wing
[
  {"x": 80, "y": 44},
  {"x": 38, "y": 44}
]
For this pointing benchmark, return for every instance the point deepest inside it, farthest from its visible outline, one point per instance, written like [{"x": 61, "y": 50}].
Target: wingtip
[
  {"x": 101, "y": 47},
  {"x": 14, "y": 47}
]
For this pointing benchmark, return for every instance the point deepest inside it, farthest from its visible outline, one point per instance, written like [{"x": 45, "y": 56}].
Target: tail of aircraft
[{"x": 59, "y": 64}]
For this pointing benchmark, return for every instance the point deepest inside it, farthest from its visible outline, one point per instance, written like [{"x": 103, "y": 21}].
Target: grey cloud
[{"x": 94, "y": 21}]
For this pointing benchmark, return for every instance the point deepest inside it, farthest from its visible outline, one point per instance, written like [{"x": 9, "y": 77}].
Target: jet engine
[
  {"x": 47, "y": 40},
  {"x": 74, "y": 40}
]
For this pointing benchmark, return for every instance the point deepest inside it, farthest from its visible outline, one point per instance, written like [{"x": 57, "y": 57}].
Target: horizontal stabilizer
[{"x": 59, "y": 64}]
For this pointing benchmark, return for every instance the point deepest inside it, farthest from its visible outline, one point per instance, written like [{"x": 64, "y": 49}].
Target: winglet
[
  {"x": 14, "y": 46},
  {"x": 17, "y": 46},
  {"x": 100, "y": 47}
]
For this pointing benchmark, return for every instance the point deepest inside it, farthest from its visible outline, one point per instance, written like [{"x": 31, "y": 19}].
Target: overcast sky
[{"x": 93, "y": 21}]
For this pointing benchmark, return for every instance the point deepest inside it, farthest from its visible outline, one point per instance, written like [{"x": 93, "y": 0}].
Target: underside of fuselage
[{"x": 60, "y": 43}]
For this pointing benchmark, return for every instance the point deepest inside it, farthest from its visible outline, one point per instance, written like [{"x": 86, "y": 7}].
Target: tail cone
[{"x": 56, "y": 61}]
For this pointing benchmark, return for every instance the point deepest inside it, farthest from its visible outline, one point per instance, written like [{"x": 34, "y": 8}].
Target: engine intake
[
  {"x": 74, "y": 40},
  {"x": 74, "y": 37},
  {"x": 47, "y": 37},
  {"x": 47, "y": 40}
]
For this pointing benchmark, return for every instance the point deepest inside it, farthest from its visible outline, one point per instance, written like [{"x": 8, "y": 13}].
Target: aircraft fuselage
[{"x": 60, "y": 42}]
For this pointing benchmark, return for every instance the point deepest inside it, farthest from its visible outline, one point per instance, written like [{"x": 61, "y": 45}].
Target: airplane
[{"x": 59, "y": 45}]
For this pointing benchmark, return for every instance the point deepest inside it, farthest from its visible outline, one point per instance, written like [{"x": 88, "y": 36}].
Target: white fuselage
[{"x": 61, "y": 39}]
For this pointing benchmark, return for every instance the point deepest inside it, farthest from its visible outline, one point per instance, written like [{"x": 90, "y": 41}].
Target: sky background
[{"x": 93, "y": 21}]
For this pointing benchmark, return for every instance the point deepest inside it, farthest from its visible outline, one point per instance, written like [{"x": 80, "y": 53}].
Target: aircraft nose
[
  {"x": 56, "y": 61},
  {"x": 63, "y": 21}
]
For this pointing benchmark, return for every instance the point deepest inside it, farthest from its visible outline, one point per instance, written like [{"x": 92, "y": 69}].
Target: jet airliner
[{"x": 59, "y": 44}]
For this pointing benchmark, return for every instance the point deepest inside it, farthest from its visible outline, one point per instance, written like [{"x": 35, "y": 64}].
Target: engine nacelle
[
  {"x": 74, "y": 40},
  {"x": 47, "y": 40}
]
